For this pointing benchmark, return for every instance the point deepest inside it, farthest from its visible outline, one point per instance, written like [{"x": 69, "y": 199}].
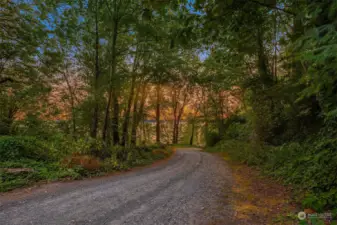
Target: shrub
[
  {"x": 238, "y": 131},
  {"x": 17, "y": 147},
  {"x": 41, "y": 170},
  {"x": 161, "y": 153},
  {"x": 212, "y": 138},
  {"x": 125, "y": 158},
  {"x": 85, "y": 161},
  {"x": 32, "y": 125},
  {"x": 37, "y": 162},
  {"x": 144, "y": 148},
  {"x": 309, "y": 166}
]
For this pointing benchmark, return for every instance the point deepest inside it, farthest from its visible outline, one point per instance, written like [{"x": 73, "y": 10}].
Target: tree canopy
[{"x": 128, "y": 73}]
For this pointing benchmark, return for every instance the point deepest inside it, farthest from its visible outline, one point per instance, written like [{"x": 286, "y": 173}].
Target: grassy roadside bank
[
  {"x": 20, "y": 169},
  {"x": 259, "y": 197}
]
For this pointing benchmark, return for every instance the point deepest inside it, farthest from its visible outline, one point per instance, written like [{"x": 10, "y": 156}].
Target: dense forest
[{"x": 115, "y": 79}]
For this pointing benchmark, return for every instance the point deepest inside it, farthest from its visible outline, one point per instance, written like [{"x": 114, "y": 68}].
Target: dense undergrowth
[
  {"x": 25, "y": 160},
  {"x": 309, "y": 165}
]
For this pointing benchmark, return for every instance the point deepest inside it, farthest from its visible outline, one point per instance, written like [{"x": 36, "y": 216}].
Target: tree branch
[
  {"x": 272, "y": 7},
  {"x": 6, "y": 79}
]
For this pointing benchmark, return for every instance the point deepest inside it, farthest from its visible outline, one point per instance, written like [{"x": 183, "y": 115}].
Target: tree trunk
[
  {"x": 180, "y": 113},
  {"x": 205, "y": 112},
  {"x": 6, "y": 123},
  {"x": 174, "y": 125},
  {"x": 262, "y": 63},
  {"x": 145, "y": 132},
  {"x": 115, "y": 118},
  {"x": 135, "y": 118},
  {"x": 158, "y": 114},
  {"x": 139, "y": 115},
  {"x": 206, "y": 131},
  {"x": 221, "y": 115},
  {"x": 177, "y": 133},
  {"x": 112, "y": 74},
  {"x": 275, "y": 47},
  {"x": 94, "y": 122},
  {"x": 107, "y": 113},
  {"x": 72, "y": 101},
  {"x": 192, "y": 135},
  {"x": 177, "y": 130},
  {"x": 125, "y": 133},
  {"x": 174, "y": 133}
]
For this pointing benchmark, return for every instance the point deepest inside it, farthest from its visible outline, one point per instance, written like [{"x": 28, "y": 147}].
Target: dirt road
[{"x": 190, "y": 188}]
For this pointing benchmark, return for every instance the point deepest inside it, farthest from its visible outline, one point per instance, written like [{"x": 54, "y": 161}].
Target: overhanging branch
[
  {"x": 272, "y": 7},
  {"x": 6, "y": 79}
]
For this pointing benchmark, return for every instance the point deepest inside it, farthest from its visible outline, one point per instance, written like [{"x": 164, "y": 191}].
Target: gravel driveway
[{"x": 191, "y": 188}]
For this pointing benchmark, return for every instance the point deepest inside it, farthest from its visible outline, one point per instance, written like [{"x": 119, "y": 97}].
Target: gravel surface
[{"x": 191, "y": 188}]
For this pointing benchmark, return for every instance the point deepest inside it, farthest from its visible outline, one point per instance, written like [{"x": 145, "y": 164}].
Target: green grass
[
  {"x": 307, "y": 167},
  {"x": 53, "y": 171}
]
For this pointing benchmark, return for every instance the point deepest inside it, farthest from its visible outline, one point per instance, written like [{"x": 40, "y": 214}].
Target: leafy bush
[
  {"x": 32, "y": 125},
  {"x": 212, "y": 138},
  {"x": 240, "y": 151},
  {"x": 309, "y": 166},
  {"x": 47, "y": 160},
  {"x": 238, "y": 131},
  {"x": 40, "y": 171},
  {"x": 125, "y": 158},
  {"x": 18, "y": 147}
]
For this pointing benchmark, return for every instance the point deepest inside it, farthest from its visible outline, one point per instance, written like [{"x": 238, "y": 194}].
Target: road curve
[{"x": 190, "y": 188}]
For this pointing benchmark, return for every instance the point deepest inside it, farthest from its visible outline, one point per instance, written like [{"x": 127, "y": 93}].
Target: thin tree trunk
[
  {"x": 193, "y": 128},
  {"x": 135, "y": 118},
  {"x": 144, "y": 132},
  {"x": 174, "y": 132},
  {"x": 275, "y": 47},
  {"x": 72, "y": 100},
  {"x": 8, "y": 121},
  {"x": 192, "y": 135},
  {"x": 72, "y": 105},
  {"x": 175, "y": 108},
  {"x": 180, "y": 113},
  {"x": 177, "y": 133},
  {"x": 115, "y": 118},
  {"x": 262, "y": 62},
  {"x": 221, "y": 116},
  {"x": 177, "y": 112},
  {"x": 177, "y": 129},
  {"x": 139, "y": 115},
  {"x": 174, "y": 125},
  {"x": 158, "y": 114},
  {"x": 205, "y": 112},
  {"x": 72, "y": 97},
  {"x": 125, "y": 133},
  {"x": 94, "y": 123},
  {"x": 112, "y": 74},
  {"x": 206, "y": 131},
  {"x": 107, "y": 113}
]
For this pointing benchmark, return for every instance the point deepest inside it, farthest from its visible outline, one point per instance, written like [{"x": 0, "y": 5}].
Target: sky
[
  {"x": 50, "y": 24},
  {"x": 204, "y": 55}
]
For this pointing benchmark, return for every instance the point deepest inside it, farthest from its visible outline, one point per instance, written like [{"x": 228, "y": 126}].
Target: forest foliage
[
  {"x": 255, "y": 78},
  {"x": 284, "y": 53}
]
